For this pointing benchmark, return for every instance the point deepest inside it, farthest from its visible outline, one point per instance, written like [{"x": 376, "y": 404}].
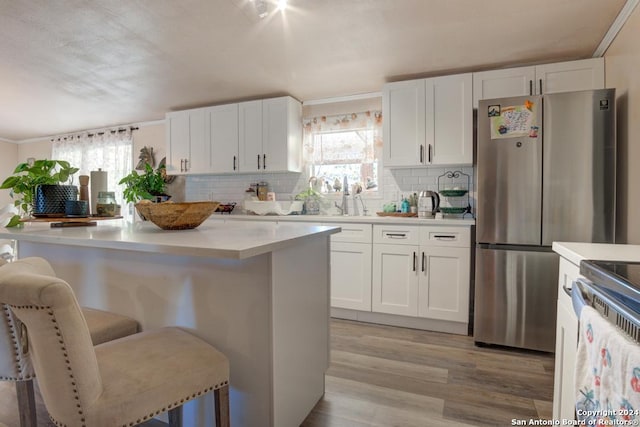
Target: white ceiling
[{"x": 70, "y": 65}]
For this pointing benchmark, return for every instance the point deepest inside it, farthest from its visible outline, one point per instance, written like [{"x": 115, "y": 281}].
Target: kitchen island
[{"x": 257, "y": 291}]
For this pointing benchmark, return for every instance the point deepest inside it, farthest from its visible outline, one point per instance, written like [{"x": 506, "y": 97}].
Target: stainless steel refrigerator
[{"x": 545, "y": 172}]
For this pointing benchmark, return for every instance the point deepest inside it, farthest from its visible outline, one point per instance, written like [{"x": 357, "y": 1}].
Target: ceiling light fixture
[
  {"x": 282, "y": 4},
  {"x": 261, "y": 8}
]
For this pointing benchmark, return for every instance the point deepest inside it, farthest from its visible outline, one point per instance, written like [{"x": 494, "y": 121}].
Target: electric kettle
[{"x": 428, "y": 204}]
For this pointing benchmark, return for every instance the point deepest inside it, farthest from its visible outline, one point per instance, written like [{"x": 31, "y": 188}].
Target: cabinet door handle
[
  {"x": 429, "y": 153},
  {"x": 424, "y": 261},
  {"x": 415, "y": 259},
  {"x": 396, "y": 235},
  {"x": 264, "y": 161},
  {"x": 444, "y": 237},
  {"x": 530, "y": 87},
  {"x": 234, "y": 162},
  {"x": 186, "y": 165},
  {"x": 421, "y": 153},
  {"x": 181, "y": 165},
  {"x": 258, "y": 161},
  {"x": 566, "y": 289},
  {"x": 540, "y": 87}
]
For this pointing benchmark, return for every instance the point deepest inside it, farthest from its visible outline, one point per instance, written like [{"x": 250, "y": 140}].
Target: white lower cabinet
[
  {"x": 429, "y": 280},
  {"x": 566, "y": 344},
  {"x": 443, "y": 289},
  {"x": 351, "y": 267},
  {"x": 351, "y": 275},
  {"x": 395, "y": 279}
]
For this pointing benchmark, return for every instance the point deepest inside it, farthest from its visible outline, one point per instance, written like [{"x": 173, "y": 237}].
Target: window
[
  {"x": 109, "y": 151},
  {"x": 344, "y": 145}
]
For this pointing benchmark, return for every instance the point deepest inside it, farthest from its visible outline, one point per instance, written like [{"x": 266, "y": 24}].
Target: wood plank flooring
[{"x": 383, "y": 376}]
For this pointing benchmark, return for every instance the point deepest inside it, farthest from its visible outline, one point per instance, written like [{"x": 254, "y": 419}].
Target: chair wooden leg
[
  {"x": 26, "y": 403},
  {"x": 221, "y": 399},
  {"x": 175, "y": 417}
]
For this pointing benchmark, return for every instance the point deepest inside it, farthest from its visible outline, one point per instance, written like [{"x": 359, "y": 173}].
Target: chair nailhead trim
[
  {"x": 16, "y": 346},
  {"x": 176, "y": 404},
  {"x": 66, "y": 359}
]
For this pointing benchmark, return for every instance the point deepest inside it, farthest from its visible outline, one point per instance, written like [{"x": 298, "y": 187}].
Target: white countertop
[
  {"x": 347, "y": 219},
  {"x": 237, "y": 240},
  {"x": 576, "y": 252}
]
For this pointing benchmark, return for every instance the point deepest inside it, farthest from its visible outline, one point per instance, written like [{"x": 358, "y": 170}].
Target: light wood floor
[{"x": 384, "y": 376}]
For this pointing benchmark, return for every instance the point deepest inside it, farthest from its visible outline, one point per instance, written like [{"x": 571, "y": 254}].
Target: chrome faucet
[{"x": 344, "y": 208}]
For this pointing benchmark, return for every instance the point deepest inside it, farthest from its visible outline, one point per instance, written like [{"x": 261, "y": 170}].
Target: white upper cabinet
[
  {"x": 282, "y": 135},
  {"x": 570, "y": 76},
  {"x": 428, "y": 121},
  {"x": 503, "y": 83},
  {"x": 451, "y": 140},
  {"x": 535, "y": 80},
  {"x": 403, "y": 124},
  {"x": 254, "y": 136},
  {"x": 187, "y": 142},
  {"x": 223, "y": 128},
  {"x": 270, "y": 135},
  {"x": 250, "y": 132}
]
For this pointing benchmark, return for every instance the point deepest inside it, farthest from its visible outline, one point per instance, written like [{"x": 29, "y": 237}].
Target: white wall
[
  {"x": 8, "y": 162},
  {"x": 622, "y": 62}
]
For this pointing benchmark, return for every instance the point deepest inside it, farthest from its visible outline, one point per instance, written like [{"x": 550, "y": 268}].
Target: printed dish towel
[{"x": 607, "y": 373}]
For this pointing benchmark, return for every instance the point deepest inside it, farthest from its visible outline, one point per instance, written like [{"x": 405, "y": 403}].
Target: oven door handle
[{"x": 579, "y": 294}]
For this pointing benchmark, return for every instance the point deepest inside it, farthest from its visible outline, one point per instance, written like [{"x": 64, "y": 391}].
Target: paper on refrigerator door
[{"x": 514, "y": 121}]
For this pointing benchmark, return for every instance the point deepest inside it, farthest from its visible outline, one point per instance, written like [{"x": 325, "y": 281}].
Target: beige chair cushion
[
  {"x": 103, "y": 326},
  {"x": 162, "y": 368},
  {"x": 119, "y": 383}
]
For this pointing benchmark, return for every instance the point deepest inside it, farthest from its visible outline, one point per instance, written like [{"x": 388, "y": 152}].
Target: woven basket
[{"x": 176, "y": 216}]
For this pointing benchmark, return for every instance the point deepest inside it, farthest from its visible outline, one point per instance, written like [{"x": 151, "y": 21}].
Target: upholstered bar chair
[
  {"x": 15, "y": 364},
  {"x": 120, "y": 383}
]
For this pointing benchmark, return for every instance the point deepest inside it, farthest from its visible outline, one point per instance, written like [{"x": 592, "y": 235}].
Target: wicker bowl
[{"x": 176, "y": 216}]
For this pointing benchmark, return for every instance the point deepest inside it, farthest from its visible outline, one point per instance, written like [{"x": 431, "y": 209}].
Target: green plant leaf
[
  {"x": 14, "y": 221},
  {"x": 10, "y": 182}
]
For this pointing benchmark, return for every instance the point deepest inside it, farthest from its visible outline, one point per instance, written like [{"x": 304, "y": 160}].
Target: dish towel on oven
[{"x": 607, "y": 372}]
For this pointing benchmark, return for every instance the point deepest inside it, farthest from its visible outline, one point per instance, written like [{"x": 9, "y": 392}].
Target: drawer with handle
[
  {"x": 396, "y": 234},
  {"x": 351, "y": 233},
  {"x": 446, "y": 236}
]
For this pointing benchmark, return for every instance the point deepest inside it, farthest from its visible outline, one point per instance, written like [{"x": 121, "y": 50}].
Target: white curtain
[{"x": 109, "y": 151}]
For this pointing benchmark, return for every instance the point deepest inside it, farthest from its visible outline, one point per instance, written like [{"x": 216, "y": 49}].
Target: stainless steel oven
[{"x": 613, "y": 289}]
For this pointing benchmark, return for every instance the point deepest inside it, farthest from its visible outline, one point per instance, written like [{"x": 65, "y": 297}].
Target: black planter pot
[{"x": 50, "y": 199}]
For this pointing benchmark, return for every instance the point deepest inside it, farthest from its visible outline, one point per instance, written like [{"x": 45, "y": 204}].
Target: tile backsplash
[{"x": 394, "y": 184}]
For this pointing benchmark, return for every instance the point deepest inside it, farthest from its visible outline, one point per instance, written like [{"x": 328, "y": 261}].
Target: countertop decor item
[
  {"x": 71, "y": 221},
  {"x": 226, "y": 207},
  {"x": 27, "y": 176},
  {"x": 148, "y": 185},
  {"x": 273, "y": 208},
  {"x": 398, "y": 214},
  {"x": 453, "y": 193},
  {"x": 176, "y": 216},
  {"x": 99, "y": 182}
]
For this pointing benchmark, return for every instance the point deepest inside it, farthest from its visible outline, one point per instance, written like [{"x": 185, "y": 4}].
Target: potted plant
[
  {"x": 150, "y": 185},
  {"x": 311, "y": 199},
  {"x": 28, "y": 176}
]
